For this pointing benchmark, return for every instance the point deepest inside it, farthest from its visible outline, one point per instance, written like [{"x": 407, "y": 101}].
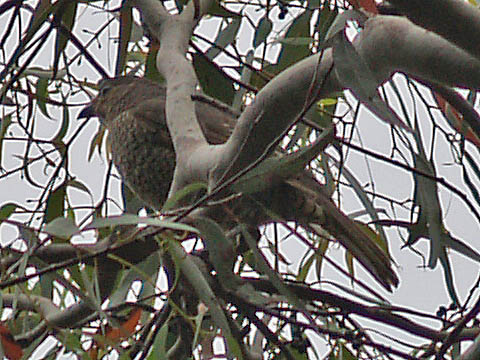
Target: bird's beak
[{"x": 87, "y": 112}]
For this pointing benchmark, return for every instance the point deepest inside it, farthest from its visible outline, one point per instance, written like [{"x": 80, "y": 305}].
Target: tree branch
[
  {"x": 455, "y": 20},
  {"x": 174, "y": 33}
]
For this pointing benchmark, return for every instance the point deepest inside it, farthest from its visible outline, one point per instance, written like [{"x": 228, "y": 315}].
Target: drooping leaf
[
  {"x": 448, "y": 274},
  {"x": 5, "y": 122},
  {"x": 274, "y": 169},
  {"x": 292, "y": 53},
  {"x": 220, "y": 250},
  {"x": 339, "y": 23},
  {"x": 64, "y": 17},
  {"x": 146, "y": 271},
  {"x": 206, "y": 295},
  {"x": 305, "y": 267},
  {"x": 181, "y": 194},
  {"x": 43, "y": 10},
  {"x": 216, "y": 9},
  {"x": 262, "y": 31},
  {"x": 368, "y": 205},
  {"x": 6, "y": 210},
  {"x": 62, "y": 131},
  {"x": 212, "y": 79},
  {"x": 42, "y": 96},
  {"x": 354, "y": 74},
  {"x": 126, "y": 20},
  {"x": 224, "y": 37},
  {"x": 55, "y": 203},
  {"x": 159, "y": 348},
  {"x": 326, "y": 18},
  {"x": 427, "y": 199},
  {"x": 96, "y": 143},
  {"x": 130, "y": 219},
  {"x": 263, "y": 267},
  {"x": 63, "y": 228},
  {"x": 151, "y": 71}
]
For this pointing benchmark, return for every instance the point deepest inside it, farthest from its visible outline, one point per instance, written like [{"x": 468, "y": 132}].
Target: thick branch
[
  {"x": 455, "y": 20},
  {"x": 392, "y": 43},
  {"x": 388, "y": 44},
  {"x": 275, "y": 109},
  {"x": 174, "y": 33}
]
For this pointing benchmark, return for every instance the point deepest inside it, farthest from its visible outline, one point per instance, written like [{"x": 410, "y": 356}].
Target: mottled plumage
[
  {"x": 140, "y": 143},
  {"x": 133, "y": 110}
]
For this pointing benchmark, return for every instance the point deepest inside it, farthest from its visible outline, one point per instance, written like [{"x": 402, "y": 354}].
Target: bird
[{"x": 133, "y": 110}]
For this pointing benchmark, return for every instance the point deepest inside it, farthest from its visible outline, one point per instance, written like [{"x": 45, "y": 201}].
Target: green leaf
[
  {"x": 42, "y": 95},
  {"x": 327, "y": 102},
  {"x": 80, "y": 186},
  {"x": 262, "y": 31},
  {"x": 431, "y": 212},
  {"x": 5, "y": 122},
  {"x": 320, "y": 252},
  {"x": 212, "y": 79},
  {"x": 62, "y": 131},
  {"x": 159, "y": 348},
  {"x": 292, "y": 53},
  {"x": 55, "y": 204},
  {"x": 96, "y": 143},
  {"x": 130, "y": 219},
  {"x": 181, "y": 194},
  {"x": 354, "y": 74},
  {"x": 225, "y": 37},
  {"x": 381, "y": 237},
  {"x": 274, "y": 169},
  {"x": 324, "y": 21},
  {"x": 64, "y": 15},
  {"x": 202, "y": 288},
  {"x": 218, "y": 10},
  {"x": 345, "y": 354},
  {"x": 448, "y": 274},
  {"x": 339, "y": 22},
  {"x": 126, "y": 20},
  {"x": 151, "y": 71},
  {"x": 43, "y": 10},
  {"x": 297, "y": 41},
  {"x": 263, "y": 267},
  {"x": 220, "y": 250},
  {"x": 63, "y": 228},
  {"x": 302, "y": 275},
  {"x": 147, "y": 271},
  {"x": 6, "y": 210}
]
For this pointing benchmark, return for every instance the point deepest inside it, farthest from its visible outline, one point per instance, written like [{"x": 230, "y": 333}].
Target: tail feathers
[{"x": 316, "y": 210}]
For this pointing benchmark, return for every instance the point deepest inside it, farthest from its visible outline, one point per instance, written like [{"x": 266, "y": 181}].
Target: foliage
[{"x": 80, "y": 275}]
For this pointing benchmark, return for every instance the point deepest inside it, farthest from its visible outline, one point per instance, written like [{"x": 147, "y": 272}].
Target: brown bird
[{"x": 133, "y": 111}]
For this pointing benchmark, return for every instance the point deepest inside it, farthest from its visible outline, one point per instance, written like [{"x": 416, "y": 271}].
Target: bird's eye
[{"x": 104, "y": 90}]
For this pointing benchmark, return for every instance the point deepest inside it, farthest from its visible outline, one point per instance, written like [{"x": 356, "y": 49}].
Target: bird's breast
[{"x": 144, "y": 157}]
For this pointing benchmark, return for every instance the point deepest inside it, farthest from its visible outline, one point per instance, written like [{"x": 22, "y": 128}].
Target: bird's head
[{"x": 119, "y": 94}]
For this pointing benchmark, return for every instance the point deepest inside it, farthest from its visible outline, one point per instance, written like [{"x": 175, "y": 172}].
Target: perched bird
[
  {"x": 139, "y": 139},
  {"x": 133, "y": 111}
]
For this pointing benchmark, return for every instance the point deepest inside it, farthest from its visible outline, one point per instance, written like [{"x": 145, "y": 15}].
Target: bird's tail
[{"x": 315, "y": 211}]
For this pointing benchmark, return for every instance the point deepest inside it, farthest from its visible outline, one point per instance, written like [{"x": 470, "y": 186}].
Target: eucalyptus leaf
[
  {"x": 262, "y": 31},
  {"x": 130, "y": 219},
  {"x": 354, "y": 74},
  {"x": 61, "y": 227}
]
